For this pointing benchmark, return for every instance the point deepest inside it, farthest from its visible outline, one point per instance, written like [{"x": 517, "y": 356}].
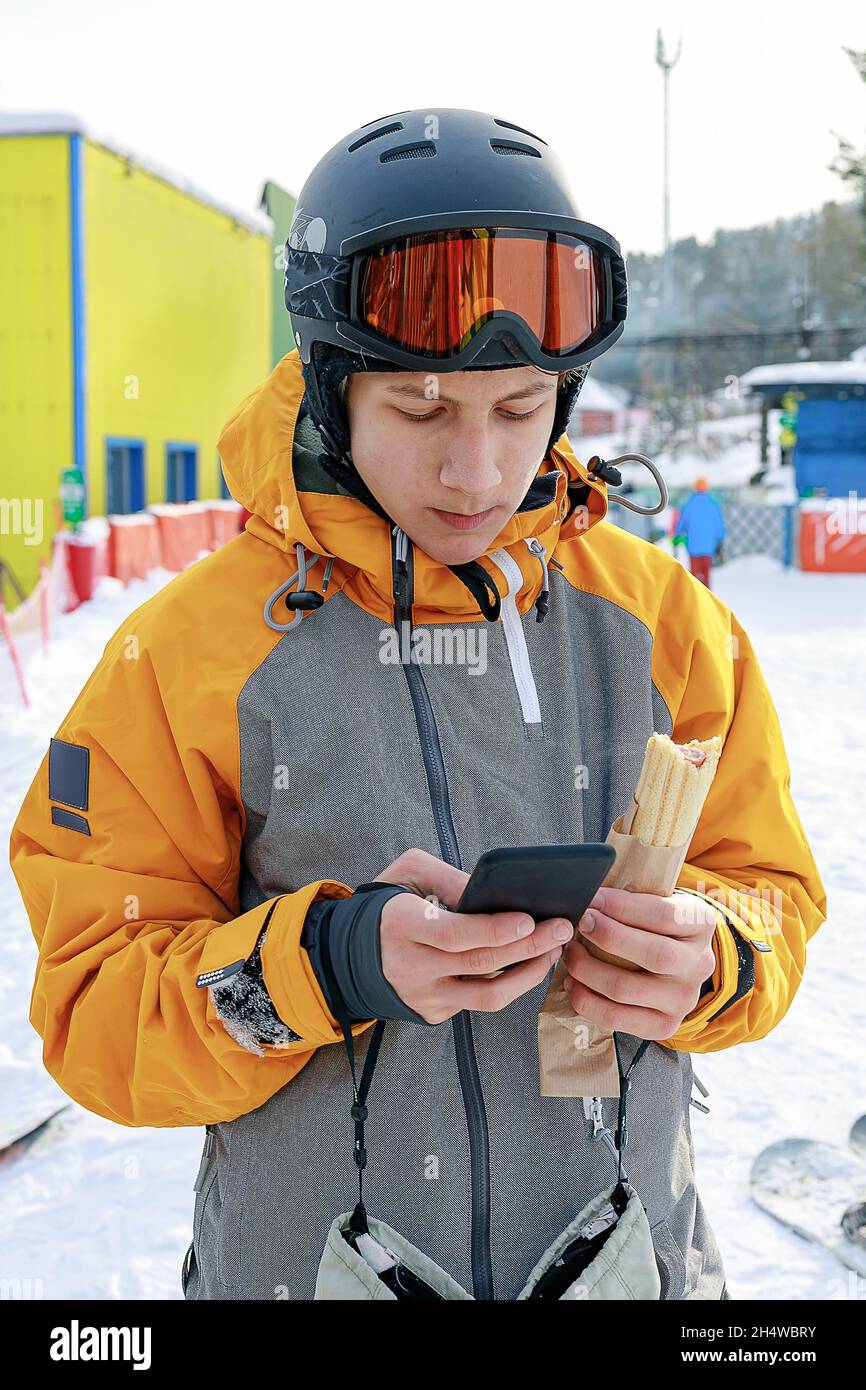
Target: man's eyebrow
[{"x": 408, "y": 388}]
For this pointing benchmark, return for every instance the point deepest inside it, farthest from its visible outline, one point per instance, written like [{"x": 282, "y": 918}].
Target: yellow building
[{"x": 135, "y": 312}]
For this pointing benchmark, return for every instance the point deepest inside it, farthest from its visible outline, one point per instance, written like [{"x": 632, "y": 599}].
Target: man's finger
[
  {"x": 650, "y": 912},
  {"x": 652, "y": 950},
  {"x": 487, "y": 996},
  {"x": 426, "y": 875},
  {"x": 458, "y": 932},
  {"x": 637, "y": 988},
  {"x": 621, "y": 1018}
]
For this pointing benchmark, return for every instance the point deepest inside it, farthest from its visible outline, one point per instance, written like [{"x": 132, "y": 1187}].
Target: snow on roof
[
  {"x": 62, "y": 123},
  {"x": 844, "y": 373},
  {"x": 39, "y": 123},
  {"x": 179, "y": 508}
]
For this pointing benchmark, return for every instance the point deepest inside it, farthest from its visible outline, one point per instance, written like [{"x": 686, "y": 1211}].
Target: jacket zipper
[
  {"x": 516, "y": 638},
  {"x": 467, "y": 1062}
]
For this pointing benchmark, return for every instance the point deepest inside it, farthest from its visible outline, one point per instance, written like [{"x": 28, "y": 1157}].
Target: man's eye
[
  {"x": 408, "y": 415},
  {"x": 507, "y": 414}
]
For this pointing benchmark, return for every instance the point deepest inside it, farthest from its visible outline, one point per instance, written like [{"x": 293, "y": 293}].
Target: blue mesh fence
[{"x": 752, "y": 528}]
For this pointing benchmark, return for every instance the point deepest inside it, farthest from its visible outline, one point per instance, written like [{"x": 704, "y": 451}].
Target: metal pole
[{"x": 666, "y": 63}]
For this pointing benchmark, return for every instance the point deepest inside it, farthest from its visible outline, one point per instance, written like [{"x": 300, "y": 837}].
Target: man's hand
[
  {"x": 440, "y": 961},
  {"x": 670, "y": 938}
]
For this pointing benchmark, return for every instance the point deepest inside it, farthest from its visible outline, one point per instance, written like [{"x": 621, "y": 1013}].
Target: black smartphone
[{"x": 541, "y": 880}]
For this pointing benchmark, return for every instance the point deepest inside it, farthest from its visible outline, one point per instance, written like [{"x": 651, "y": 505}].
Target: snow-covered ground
[{"x": 105, "y": 1211}]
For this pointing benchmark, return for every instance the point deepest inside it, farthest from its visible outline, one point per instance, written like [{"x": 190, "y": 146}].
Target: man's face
[{"x": 430, "y": 445}]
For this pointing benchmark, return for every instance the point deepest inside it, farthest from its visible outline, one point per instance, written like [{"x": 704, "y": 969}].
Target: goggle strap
[{"x": 324, "y": 289}]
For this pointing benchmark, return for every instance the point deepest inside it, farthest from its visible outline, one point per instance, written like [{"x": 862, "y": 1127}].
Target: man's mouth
[{"x": 462, "y": 522}]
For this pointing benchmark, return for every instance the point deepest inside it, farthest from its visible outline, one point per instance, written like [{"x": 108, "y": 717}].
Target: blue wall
[{"x": 831, "y": 446}]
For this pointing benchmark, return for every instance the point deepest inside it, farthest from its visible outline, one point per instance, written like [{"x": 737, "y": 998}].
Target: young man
[{"x": 262, "y": 809}]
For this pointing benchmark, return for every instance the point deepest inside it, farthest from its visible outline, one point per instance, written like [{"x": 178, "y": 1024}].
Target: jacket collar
[{"x": 269, "y": 454}]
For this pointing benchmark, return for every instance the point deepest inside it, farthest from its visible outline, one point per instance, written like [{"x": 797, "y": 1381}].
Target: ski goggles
[{"x": 431, "y": 295}]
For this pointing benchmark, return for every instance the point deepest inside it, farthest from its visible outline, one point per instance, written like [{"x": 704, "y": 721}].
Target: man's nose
[{"x": 470, "y": 465}]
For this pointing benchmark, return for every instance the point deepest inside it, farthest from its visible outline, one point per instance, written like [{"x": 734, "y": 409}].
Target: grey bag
[{"x": 382, "y": 1264}]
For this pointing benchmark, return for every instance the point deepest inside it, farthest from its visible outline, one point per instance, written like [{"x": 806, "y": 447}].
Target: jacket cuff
[
  {"x": 288, "y": 973},
  {"x": 280, "y": 971},
  {"x": 732, "y": 978}
]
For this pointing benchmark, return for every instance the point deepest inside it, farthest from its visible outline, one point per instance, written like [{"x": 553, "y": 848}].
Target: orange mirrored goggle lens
[{"x": 432, "y": 292}]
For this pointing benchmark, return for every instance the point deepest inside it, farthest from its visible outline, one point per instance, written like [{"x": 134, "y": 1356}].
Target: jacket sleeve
[
  {"x": 126, "y": 852},
  {"x": 749, "y": 856},
  {"x": 349, "y": 971}
]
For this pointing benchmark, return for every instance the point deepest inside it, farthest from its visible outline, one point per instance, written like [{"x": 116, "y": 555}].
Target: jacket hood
[{"x": 269, "y": 451}]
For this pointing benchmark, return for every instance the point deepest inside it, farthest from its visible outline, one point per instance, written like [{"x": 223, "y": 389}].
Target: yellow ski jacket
[{"x": 216, "y": 775}]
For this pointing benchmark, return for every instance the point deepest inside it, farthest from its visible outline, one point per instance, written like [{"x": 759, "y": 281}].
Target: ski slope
[{"x": 105, "y": 1211}]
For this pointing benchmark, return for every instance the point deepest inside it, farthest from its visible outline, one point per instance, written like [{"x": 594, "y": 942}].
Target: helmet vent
[
  {"x": 511, "y": 147},
  {"x": 425, "y": 149},
  {"x": 509, "y": 125},
  {"x": 374, "y": 135}
]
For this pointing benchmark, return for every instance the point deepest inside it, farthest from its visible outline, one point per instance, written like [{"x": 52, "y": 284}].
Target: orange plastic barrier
[
  {"x": 184, "y": 532},
  {"x": 830, "y": 543},
  {"x": 133, "y": 546},
  {"x": 225, "y": 523}
]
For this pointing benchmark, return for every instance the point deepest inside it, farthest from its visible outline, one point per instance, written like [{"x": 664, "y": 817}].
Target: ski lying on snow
[{"x": 17, "y": 1135}]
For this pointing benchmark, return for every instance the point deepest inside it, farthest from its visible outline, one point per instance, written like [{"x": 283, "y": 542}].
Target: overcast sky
[{"x": 229, "y": 95}]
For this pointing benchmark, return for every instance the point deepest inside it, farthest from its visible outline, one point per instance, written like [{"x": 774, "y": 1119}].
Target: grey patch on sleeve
[{"x": 245, "y": 1007}]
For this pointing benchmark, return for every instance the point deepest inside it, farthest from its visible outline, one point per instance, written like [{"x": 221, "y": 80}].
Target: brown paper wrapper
[{"x": 577, "y": 1057}]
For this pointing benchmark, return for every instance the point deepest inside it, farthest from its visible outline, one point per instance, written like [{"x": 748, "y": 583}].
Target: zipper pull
[
  {"x": 401, "y": 582},
  {"x": 704, "y": 1092},
  {"x": 542, "y": 603},
  {"x": 600, "y": 1129},
  {"x": 400, "y": 566},
  {"x": 597, "y": 1113}
]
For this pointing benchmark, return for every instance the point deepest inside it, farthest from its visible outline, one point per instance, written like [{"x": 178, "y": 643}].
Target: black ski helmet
[{"x": 420, "y": 171}]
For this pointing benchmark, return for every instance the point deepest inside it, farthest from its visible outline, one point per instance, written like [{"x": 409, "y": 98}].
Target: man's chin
[{"x": 460, "y": 549}]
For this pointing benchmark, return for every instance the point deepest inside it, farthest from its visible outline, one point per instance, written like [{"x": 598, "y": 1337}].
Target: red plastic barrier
[
  {"x": 829, "y": 544},
  {"x": 133, "y": 546},
  {"x": 83, "y": 554}
]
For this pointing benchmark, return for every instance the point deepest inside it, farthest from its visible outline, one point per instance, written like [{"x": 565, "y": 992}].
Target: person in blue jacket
[{"x": 702, "y": 529}]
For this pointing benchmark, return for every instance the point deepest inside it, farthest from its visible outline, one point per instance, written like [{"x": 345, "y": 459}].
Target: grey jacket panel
[{"x": 352, "y": 795}]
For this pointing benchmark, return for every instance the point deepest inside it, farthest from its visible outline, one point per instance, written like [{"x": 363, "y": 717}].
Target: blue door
[
  {"x": 181, "y": 480},
  {"x": 124, "y": 476}
]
